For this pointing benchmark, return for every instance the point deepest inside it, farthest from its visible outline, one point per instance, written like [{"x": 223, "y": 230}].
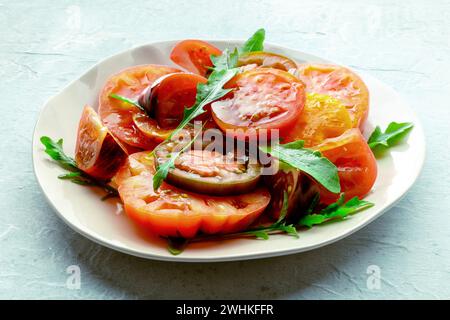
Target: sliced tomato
[
  {"x": 171, "y": 211},
  {"x": 97, "y": 152},
  {"x": 118, "y": 116},
  {"x": 299, "y": 187},
  {"x": 266, "y": 60},
  {"x": 323, "y": 117},
  {"x": 357, "y": 166},
  {"x": 172, "y": 95},
  {"x": 194, "y": 55},
  {"x": 340, "y": 83},
  {"x": 263, "y": 98}
]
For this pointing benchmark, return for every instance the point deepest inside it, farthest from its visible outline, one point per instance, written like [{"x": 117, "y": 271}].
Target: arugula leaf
[
  {"x": 176, "y": 245},
  {"x": 309, "y": 161},
  {"x": 337, "y": 210},
  {"x": 127, "y": 100},
  {"x": 226, "y": 60},
  {"x": 55, "y": 150},
  {"x": 255, "y": 43},
  {"x": 394, "y": 133}
]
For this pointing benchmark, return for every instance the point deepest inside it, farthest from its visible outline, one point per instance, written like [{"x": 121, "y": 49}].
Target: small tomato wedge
[
  {"x": 300, "y": 189},
  {"x": 340, "y": 83},
  {"x": 118, "y": 115},
  {"x": 357, "y": 166},
  {"x": 194, "y": 55},
  {"x": 323, "y": 117},
  {"x": 175, "y": 92},
  {"x": 262, "y": 98},
  {"x": 171, "y": 211},
  {"x": 97, "y": 152},
  {"x": 266, "y": 60}
]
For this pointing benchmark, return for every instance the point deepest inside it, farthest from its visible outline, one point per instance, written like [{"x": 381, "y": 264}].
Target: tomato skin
[
  {"x": 118, "y": 116},
  {"x": 173, "y": 94},
  {"x": 266, "y": 59},
  {"x": 194, "y": 55},
  {"x": 179, "y": 213},
  {"x": 97, "y": 152},
  {"x": 340, "y": 83},
  {"x": 263, "y": 98},
  {"x": 322, "y": 117},
  {"x": 357, "y": 166}
]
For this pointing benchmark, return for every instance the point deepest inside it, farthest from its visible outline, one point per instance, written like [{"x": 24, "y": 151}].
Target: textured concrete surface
[{"x": 45, "y": 44}]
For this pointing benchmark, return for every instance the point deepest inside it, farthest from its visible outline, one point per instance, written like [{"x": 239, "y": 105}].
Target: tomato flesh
[
  {"x": 194, "y": 55},
  {"x": 340, "y": 83},
  {"x": 118, "y": 116},
  {"x": 262, "y": 98},
  {"x": 175, "y": 212},
  {"x": 357, "y": 166},
  {"x": 323, "y": 117},
  {"x": 97, "y": 152}
]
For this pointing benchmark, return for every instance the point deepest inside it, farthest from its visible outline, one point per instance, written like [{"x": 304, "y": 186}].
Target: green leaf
[
  {"x": 337, "y": 210},
  {"x": 127, "y": 100},
  {"x": 309, "y": 161},
  {"x": 255, "y": 43},
  {"x": 55, "y": 151},
  {"x": 176, "y": 245},
  {"x": 394, "y": 133},
  {"x": 226, "y": 60}
]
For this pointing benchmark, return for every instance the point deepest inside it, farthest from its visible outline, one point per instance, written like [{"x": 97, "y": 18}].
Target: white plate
[{"x": 80, "y": 207}]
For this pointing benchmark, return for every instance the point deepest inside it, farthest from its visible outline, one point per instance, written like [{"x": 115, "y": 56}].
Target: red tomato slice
[
  {"x": 357, "y": 166},
  {"x": 194, "y": 55},
  {"x": 173, "y": 94},
  {"x": 340, "y": 83},
  {"x": 171, "y": 211},
  {"x": 118, "y": 116},
  {"x": 263, "y": 98},
  {"x": 97, "y": 152}
]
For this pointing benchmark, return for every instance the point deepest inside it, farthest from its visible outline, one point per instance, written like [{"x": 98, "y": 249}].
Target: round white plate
[{"x": 81, "y": 208}]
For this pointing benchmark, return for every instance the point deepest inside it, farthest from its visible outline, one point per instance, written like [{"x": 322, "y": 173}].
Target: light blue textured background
[{"x": 46, "y": 44}]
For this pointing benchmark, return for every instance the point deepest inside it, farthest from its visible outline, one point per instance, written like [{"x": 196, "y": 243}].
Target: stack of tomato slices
[{"x": 205, "y": 192}]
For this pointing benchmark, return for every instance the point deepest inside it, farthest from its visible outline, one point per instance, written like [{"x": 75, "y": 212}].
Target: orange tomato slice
[
  {"x": 322, "y": 117},
  {"x": 340, "y": 83},
  {"x": 357, "y": 166}
]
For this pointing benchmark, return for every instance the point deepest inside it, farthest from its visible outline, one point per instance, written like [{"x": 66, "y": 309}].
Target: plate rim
[{"x": 235, "y": 257}]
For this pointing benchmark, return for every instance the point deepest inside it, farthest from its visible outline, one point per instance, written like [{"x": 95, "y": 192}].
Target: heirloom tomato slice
[
  {"x": 194, "y": 55},
  {"x": 262, "y": 98},
  {"x": 118, "y": 115},
  {"x": 340, "y": 83},
  {"x": 322, "y": 117},
  {"x": 175, "y": 212},
  {"x": 357, "y": 166}
]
